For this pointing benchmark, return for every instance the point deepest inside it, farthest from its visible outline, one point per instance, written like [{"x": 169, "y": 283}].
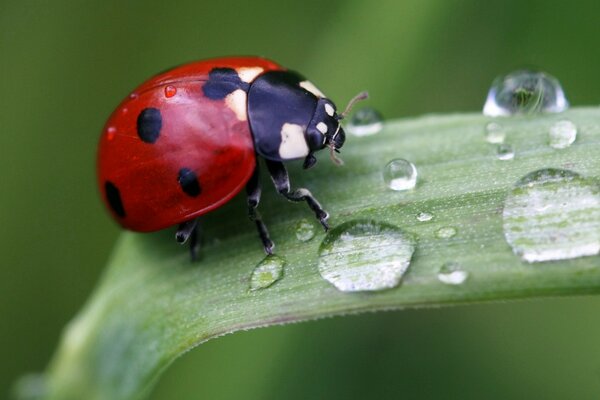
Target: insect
[{"x": 186, "y": 141}]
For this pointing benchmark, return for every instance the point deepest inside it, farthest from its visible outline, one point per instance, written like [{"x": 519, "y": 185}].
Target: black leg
[
  {"x": 188, "y": 231},
  {"x": 281, "y": 180},
  {"x": 253, "y": 191}
]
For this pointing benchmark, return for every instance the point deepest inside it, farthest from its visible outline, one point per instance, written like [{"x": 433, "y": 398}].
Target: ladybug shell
[{"x": 173, "y": 150}]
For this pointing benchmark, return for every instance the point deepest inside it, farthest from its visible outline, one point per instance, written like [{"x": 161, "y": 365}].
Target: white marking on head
[
  {"x": 293, "y": 144},
  {"x": 247, "y": 74},
  {"x": 236, "y": 101},
  {"x": 311, "y": 88},
  {"x": 322, "y": 127},
  {"x": 329, "y": 109}
]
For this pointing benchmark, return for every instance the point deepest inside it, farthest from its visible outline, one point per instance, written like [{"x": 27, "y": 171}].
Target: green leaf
[{"x": 153, "y": 304}]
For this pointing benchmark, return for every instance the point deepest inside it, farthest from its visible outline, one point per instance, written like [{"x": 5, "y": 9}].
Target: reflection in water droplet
[
  {"x": 364, "y": 122},
  {"x": 365, "y": 255},
  {"x": 446, "y": 232},
  {"x": 562, "y": 134},
  {"x": 111, "y": 131},
  {"x": 400, "y": 174},
  {"x": 505, "y": 152},
  {"x": 170, "y": 91},
  {"x": 525, "y": 92},
  {"x": 304, "y": 230},
  {"x": 423, "y": 217},
  {"x": 451, "y": 273},
  {"x": 553, "y": 214},
  {"x": 495, "y": 133},
  {"x": 267, "y": 272}
]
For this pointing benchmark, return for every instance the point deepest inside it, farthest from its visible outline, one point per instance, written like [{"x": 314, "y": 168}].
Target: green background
[{"x": 64, "y": 65}]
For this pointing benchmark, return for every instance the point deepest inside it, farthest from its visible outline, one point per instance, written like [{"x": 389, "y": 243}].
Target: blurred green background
[{"x": 64, "y": 65}]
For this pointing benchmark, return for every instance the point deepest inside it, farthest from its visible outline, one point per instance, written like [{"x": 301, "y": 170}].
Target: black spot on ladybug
[
  {"x": 189, "y": 182},
  {"x": 149, "y": 123},
  {"x": 221, "y": 82},
  {"x": 114, "y": 198}
]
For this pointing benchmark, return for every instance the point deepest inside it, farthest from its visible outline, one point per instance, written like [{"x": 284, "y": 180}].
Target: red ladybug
[{"x": 185, "y": 142}]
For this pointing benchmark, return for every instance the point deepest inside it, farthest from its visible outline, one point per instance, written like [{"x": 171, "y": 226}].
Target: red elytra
[{"x": 141, "y": 181}]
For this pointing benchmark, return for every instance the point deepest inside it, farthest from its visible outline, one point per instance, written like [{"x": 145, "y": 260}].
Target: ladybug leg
[
  {"x": 281, "y": 181},
  {"x": 253, "y": 191},
  {"x": 188, "y": 231}
]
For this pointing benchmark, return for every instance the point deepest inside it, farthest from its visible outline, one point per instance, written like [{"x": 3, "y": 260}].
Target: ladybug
[{"x": 186, "y": 141}]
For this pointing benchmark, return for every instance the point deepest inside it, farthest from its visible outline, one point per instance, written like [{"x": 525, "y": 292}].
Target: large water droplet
[
  {"x": 495, "y": 133},
  {"x": 562, "y": 134},
  {"x": 365, "y": 255},
  {"x": 505, "y": 152},
  {"x": 451, "y": 273},
  {"x": 267, "y": 272},
  {"x": 170, "y": 91},
  {"x": 400, "y": 174},
  {"x": 304, "y": 230},
  {"x": 525, "y": 92},
  {"x": 553, "y": 214},
  {"x": 366, "y": 121},
  {"x": 446, "y": 232}
]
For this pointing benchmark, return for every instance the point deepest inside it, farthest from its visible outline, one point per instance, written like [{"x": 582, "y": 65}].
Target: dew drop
[
  {"x": 424, "y": 217},
  {"x": 133, "y": 95},
  {"x": 365, "y": 255},
  {"x": 495, "y": 133},
  {"x": 267, "y": 272},
  {"x": 170, "y": 91},
  {"x": 525, "y": 92},
  {"x": 304, "y": 230},
  {"x": 446, "y": 232},
  {"x": 400, "y": 174},
  {"x": 562, "y": 134},
  {"x": 451, "y": 273},
  {"x": 124, "y": 110},
  {"x": 366, "y": 121},
  {"x": 553, "y": 214},
  {"x": 505, "y": 152},
  {"x": 111, "y": 131}
]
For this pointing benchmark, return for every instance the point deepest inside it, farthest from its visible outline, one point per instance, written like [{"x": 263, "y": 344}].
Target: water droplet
[
  {"x": 505, "y": 152},
  {"x": 553, "y": 214},
  {"x": 364, "y": 122},
  {"x": 267, "y": 272},
  {"x": 451, "y": 273},
  {"x": 124, "y": 110},
  {"x": 304, "y": 230},
  {"x": 423, "y": 217},
  {"x": 495, "y": 133},
  {"x": 365, "y": 255},
  {"x": 134, "y": 95},
  {"x": 111, "y": 131},
  {"x": 562, "y": 134},
  {"x": 446, "y": 232},
  {"x": 170, "y": 91},
  {"x": 400, "y": 174},
  {"x": 525, "y": 92}
]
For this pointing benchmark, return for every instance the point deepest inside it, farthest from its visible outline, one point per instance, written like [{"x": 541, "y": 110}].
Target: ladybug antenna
[
  {"x": 361, "y": 96},
  {"x": 333, "y": 149}
]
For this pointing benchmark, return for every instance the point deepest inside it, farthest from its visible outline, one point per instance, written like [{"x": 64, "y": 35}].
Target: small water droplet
[
  {"x": 505, "y": 152},
  {"x": 124, "y": 110},
  {"x": 267, "y": 272},
  {"x": 451, "y": 273},
  {"x": 400, "y": 174},
  {"x": 562, "y": 134},
  {"x": 553, "y": 214},
  {"x": 364, "y": 122},
  {"x": 170, "y": 91},
  {"x": 446, "y": 232},
  {"x": 365, "y": 255},
  {"x": 423, "y": 217},
  {"x": 304, "y": 230},
  {"x": 495, "y": 133},
  {"x": 111, "y": 131},
  {"x": 525, "y": 92},
  {"x": 133, "y": 95}
]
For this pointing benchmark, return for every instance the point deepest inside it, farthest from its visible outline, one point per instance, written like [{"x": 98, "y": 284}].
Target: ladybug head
[{"x": 325, "y": 129}]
